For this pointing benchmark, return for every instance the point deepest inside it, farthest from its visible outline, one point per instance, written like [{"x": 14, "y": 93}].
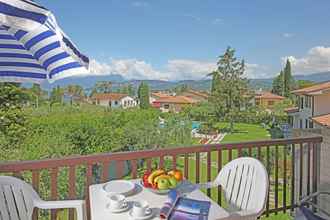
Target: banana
[
  {"x": 160, "y": 177},
  {"x": 154, "y": 174}
]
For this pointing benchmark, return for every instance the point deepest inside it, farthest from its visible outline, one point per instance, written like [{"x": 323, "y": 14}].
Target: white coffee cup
[
  {"x": 141, "y": 208},
  {"x": 117, "y": 201}
]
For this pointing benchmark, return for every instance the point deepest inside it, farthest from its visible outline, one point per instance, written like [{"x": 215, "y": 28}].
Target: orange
[{"x": 178, "y": 175}]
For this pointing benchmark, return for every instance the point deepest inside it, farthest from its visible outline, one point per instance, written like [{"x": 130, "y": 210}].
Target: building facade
[
  {"x": 312, "y": 102},
  {"x": 266, "y": 99},
  {"x": 173, "y": 103},
  {"x": 114, "y": 100}
]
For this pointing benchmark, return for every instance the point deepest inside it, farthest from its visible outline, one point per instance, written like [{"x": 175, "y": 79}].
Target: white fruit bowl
[{"x": 156, "y": 191}]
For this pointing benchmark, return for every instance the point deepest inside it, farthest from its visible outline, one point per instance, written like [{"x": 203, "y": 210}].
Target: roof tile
[{"x": 311, "y": 89}]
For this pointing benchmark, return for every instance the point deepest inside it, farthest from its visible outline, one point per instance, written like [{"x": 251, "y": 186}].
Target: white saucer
[
  {"x": 142, "y": 217},
  {"x": 123, "y": 209}
]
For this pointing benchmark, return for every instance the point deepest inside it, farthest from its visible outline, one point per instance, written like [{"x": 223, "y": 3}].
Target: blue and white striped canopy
[{"x": 33, "y": 48}]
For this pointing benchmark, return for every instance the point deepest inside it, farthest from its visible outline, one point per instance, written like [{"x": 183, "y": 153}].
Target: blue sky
[{"x": 181, "y": 39}]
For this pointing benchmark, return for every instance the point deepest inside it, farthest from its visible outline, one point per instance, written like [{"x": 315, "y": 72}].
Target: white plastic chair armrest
[
  {"x": 59, "y": 204},
  {"x": 79, "y": 205},
  {"x": 208, "y": 185}
]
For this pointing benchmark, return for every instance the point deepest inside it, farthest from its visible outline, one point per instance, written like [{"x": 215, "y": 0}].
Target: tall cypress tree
[
  {"x": 288, "y": 81},
  {"x": 278, "y": 84},
  {"x": 143, "y": 94},
  {"x": 284, "y": 82}
]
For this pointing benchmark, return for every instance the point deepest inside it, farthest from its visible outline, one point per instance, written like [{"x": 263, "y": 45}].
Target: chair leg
[{"x": 81, "y": 212}]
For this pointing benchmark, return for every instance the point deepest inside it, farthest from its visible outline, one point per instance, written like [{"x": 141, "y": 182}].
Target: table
[{"x": 98, "y": 201}]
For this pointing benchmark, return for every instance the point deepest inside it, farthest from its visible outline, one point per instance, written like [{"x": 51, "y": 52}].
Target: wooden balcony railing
[{"x": 285, "y": 160}]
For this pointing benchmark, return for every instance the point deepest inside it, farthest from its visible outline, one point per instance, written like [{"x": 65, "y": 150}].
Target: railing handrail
[{"x": 16, "y": 166}]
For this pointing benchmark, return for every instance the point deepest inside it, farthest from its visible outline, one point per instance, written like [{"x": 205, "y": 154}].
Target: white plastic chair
[
  {"x": 18, "y": 199},
  {"x": 245, "y": 185}
]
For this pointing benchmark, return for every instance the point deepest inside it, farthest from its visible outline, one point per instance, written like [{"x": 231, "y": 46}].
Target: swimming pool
[{"x": 195, "y": 125}]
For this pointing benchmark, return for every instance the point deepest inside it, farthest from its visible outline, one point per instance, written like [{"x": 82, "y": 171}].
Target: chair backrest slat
[
  {"x": 247, "y": 188},
  {"x": 4, "y": 212},
  {"x": 237, "y": 185},
  {"x": 21, "y": 204},
  {"x": 243, "y": 185},
  {"x": 231, "y": 180},
  {"x": 11, "y": 204}
]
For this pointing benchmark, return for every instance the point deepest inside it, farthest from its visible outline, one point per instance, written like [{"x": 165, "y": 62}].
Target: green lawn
[{"x": 244, "y": 132}]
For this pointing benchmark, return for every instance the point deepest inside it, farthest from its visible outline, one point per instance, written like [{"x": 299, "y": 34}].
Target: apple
[
  {"x": 154, "y": 185},
  {"x": 145, "y": 179},
  {"x": 163, "y": 183},
  {"x": 145, "y": 176},
  {"x": 173, "y": 182}
]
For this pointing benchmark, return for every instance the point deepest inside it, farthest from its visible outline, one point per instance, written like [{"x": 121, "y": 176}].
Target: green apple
[
  {"x": 173, "y": 182},
  {"x": 163, "y": 183}
]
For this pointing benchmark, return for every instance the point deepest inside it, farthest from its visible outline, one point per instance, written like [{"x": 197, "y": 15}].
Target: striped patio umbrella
[{"x": 33, "y": 48}]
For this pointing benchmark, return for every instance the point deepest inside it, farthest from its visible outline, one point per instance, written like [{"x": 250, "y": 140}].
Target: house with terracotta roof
[
  {"x": 196, "y": 95},
  {"x": 114, "y": 100},
  {"x": 157, "y": 95},
  {"x": 313, "y": 106},
  {"x": 267, "y": 99},
  {"x": 173, "y": 103}
]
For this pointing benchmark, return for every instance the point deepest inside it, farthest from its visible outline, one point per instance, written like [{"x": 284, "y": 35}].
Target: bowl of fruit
[{"x": 161, "y": 182}]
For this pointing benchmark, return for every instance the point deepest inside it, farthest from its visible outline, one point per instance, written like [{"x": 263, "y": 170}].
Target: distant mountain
[
  {"x": 86, "y": 82},
  {"x": 205, "y": 84},
  {"x": 316, "y": 77}
]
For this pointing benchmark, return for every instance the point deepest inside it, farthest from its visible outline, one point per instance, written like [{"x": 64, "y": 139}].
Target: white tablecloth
[{"x": 99, "y": 199}]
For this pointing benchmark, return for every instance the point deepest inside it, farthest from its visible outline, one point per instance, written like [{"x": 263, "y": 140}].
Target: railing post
[
  {"x": 35, "y": 184},
  {"x": 53, "y": 178},
  {"x": 293, "y": 167},
  {"x": 208, "y": 172},
  {"x": 316, "y": 167},
  {"x": 72, "y": 188}
]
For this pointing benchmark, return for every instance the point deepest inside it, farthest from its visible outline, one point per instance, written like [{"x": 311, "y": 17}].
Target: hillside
[{"x": 118, "y": 80}]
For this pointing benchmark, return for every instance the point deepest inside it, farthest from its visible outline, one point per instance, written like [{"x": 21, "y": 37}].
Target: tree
[
  {"x": 288, "y": 81},
  {"x": 103, "y": 87},
  {"x": 278, "y": 84},
  {"x": 56, "y": 95},
  {"x": 181, "y": 88},
  {"x": 37, "y": 93},
  {"x": 215, "y": 81},
  {"x": 131, "y": 90},
  {"x": 12, "y": 119},
  {"x": 229, "y": 87},
  {"x": 127, "y": 89},
  {"x": 284, "y": 83},
  {"x": 304, "y": 83},
  {"x": 143, "y": 94},
  {"x": 74, "y": 91}
]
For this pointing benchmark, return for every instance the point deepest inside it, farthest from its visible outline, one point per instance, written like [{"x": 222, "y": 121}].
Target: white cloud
[
  {"x": 189, "y": 69},
  {"x": 129, "y": 68},
  {"x": 194, "y": 17},
  {"x": 140, "y": 4},
  {"x": 317, "y": 59},
  {"x": 218, "y": 21},
  {"x": 176, "y": 69},
  {"x": 288, "y": 35}
]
